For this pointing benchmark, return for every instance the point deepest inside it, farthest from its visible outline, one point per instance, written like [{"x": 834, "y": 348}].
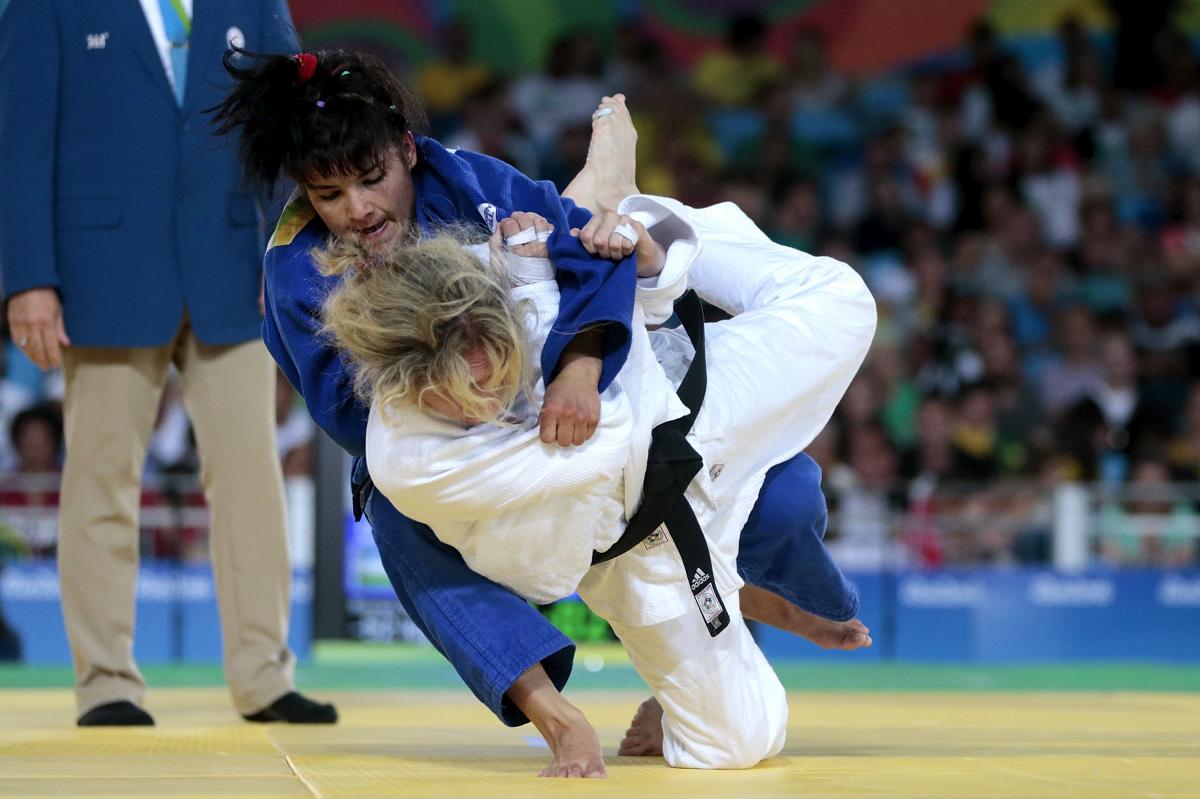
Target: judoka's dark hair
[{"x": 337, "y": 114}]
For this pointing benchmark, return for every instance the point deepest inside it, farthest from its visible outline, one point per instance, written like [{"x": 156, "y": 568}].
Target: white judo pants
[
  {"x": 776, "y": 371},
  {"x": 723, "y": 705}
]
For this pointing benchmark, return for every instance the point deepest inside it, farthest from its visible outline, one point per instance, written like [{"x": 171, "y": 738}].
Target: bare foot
[
  {"x": 769, "y": 608},
  {"x": 576, "y": 749},
  {"x": 571, "y": 738},
  {"x": 611, "y": 169},
  {"x": 644, "y": 736},
  {"x": 845, "y": 635}
]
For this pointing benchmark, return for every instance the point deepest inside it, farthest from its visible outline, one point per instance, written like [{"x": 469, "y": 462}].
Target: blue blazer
[{"x": 112, "y": 193}]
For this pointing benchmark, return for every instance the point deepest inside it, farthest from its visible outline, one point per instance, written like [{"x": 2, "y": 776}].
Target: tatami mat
[{"x": 443, "y": 744}]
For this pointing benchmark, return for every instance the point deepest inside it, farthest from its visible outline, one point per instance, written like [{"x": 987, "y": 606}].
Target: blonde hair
[{"x": 409, "y": 316}]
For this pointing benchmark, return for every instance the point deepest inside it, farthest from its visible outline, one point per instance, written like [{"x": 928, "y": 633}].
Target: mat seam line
[
  {"x": 308, "y": 785},
  {"x": 312, "y": 789}
]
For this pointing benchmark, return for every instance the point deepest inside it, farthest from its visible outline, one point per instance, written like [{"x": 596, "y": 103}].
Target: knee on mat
[
  {"x": 752, "y": 748},
  {"x": 738, "y": 740},
  {"x": 737, "y": 749}
]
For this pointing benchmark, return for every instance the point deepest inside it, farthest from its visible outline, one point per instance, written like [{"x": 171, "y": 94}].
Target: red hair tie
[{"x": 306, "y": 67}]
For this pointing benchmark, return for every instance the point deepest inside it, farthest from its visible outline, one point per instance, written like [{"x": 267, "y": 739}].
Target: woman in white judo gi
[{"x": 445, "y": 340}]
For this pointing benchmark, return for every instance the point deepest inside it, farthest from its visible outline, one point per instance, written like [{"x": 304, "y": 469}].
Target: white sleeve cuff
[{"x": 657, "y": 294}]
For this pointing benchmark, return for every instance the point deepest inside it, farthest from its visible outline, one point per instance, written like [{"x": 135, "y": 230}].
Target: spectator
[
  {"x": 1036, "y": 304},
  {"x": 1048, "y": 175},
  {"x": 1149, "y": 528},
  {"x": 737, "y": 74},
  {"x": 489, "y": 125},
  {"x": 1022, "y": 427},
  {"x": 29, "y": 494},
  {"x": 1165, "y": 331},
  {"x": 1076, "y": 370},
  {"x": 294, "y": 431},
  {"x": 142, "y": 250},
  {"x": 564, "y": 93},
  {"x": 446, "y": 82},
  {"x": 867, "y": 496},
  {"x": 813, "y": 85},
  {"x": 1074, "y": 84},
  {"x": 637, "y": 59},
  {"x": 38, "y": 439},
  {"x": 1123, "y": 424},
  {"x": 1180, "y": 238},
  {"x": 1184, "y": 457},
  {"x": 172, "y": 448},
  {"x": 798, "y": 218},
  {"x": 975, "y": 438}
]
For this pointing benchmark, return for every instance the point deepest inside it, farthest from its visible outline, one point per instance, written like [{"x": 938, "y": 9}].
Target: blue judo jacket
[{"x": 452, "y": 188}]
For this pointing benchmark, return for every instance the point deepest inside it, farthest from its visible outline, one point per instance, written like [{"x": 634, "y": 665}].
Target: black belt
[{"x": 670, "y": 468}]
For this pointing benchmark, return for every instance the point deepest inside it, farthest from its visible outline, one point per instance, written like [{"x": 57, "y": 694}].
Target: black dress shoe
[
  {"x": 116, "y": 714},
  {"x": 295, "y": 708}
]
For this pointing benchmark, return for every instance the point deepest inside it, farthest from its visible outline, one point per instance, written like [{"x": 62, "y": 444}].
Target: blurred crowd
[
  {"x": 174, "y": 517},
  {"x": 1030, "y": 228}
]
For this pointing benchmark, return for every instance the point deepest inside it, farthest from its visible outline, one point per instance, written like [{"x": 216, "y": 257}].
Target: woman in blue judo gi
[{"x": 342, "y": 127}]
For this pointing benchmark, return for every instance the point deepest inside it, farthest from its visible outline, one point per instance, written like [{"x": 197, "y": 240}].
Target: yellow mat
[{"x": 433, "y": 744}]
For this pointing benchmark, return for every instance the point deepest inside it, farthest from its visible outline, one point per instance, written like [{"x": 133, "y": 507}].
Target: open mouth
[{"x": 374, "y": 230}]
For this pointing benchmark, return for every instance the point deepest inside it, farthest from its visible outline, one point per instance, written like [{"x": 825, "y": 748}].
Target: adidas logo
[{"x": 699, "y": 579}]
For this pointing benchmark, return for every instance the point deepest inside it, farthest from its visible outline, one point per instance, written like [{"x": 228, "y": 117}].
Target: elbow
[
  {"x": 862, "y": 306},
  {"x": 870, "y": 320}
]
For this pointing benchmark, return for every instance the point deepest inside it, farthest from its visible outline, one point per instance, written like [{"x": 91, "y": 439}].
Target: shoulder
[
  {"x": 439, "y": 157},
  {"x": 297, "y": 215},
  {"x": 406, "y": 447},
  {"x": 289, "y": 266}
]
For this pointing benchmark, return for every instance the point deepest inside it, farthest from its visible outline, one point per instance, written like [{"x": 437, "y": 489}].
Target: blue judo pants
[{"x": 491, "y": 636}]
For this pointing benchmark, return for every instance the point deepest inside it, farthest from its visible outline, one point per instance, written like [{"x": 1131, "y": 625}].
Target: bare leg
[
  {"x": 762, "y": 605},
  {"x": 572, "y": 739},
  {"x": 611, "y": 169}
]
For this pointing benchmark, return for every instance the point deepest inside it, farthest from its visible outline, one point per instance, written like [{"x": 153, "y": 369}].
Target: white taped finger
[
  {"x": 602, "y": 111},
  {"x": 522, "y": 237},
  {"x": 526, "y": 236},
  {"x": 626, "y": 231}
]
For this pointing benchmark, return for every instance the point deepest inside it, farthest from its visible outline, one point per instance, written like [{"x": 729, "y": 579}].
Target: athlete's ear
[{"x": 408, "y": 150}]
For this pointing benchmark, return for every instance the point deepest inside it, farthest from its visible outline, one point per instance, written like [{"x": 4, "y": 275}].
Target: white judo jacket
[{"x": 528, "y": 515}]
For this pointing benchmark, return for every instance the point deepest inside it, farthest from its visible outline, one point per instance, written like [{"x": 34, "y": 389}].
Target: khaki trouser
[{"x": 112, "y": 397}]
